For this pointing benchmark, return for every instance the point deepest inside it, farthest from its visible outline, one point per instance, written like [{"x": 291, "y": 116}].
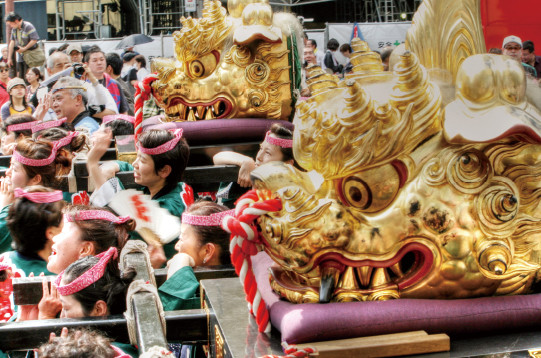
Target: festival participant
[
  {"x": 202, "y": 242},
  {"x": 34, "y": 162},
  {"x": 33, "y": 77},
  {"x": 16, "y": 128},
  {"x": 120, "y": 124},
  {"x": 277, "y": 146},
  {"x": 89, "y": 287},
  {"x": 162, "y": 157},
  {"x": 17, "y": 100},
  {"x": 87, "y": 231},
  {"x": 4, "y": 79},
  {"x": 42, "y": 126},
  {"x": 33, "y": 220},
  {"x": 80, "y": 343}
]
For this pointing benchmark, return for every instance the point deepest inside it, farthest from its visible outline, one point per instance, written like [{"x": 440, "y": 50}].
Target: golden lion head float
[
  {"x": 245, "y": 65},
  {"x": 423, "y": 192}
]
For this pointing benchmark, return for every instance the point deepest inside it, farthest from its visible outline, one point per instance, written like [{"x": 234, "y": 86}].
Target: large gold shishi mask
[
  {"x": 429, "y": 189},
  {"x": 244, "y": 65}
]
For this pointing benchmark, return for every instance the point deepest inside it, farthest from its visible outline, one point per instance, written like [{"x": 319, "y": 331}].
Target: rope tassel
[
  {"x": 143, "y": 91},
  {"x": 244, "y": 243}
]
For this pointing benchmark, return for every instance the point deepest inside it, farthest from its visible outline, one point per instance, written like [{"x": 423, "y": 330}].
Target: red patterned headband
[
  {"x": 96, "y": 215},
  {"x": 284, "y": 143},
  {"x": 205, "y": 220},
  {"x": 112, "y": 117},
  {"x": 89, "y": 277},
  {"x": 43, "y": 162},
  {"x": 39, "y": 197},
  {"x": 48, "y": 124},
  {"x": 167, "y": 146},
  {"x": 20, "y": 126}
]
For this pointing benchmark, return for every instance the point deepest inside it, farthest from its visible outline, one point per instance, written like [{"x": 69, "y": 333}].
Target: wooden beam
[
  {"x": 183, "y": 325},
  {"x": 149, "y": 330},
  {"x": 388, "y": 345},
  {"x": 28, "y": 290},
  {"x": 203, "y": 178}
]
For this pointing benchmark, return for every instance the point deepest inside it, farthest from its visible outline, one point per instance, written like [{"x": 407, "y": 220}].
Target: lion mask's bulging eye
[{"x": 204, "y": 66}]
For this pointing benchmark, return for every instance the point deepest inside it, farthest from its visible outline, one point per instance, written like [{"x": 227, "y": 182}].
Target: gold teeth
[{"x": 182, "y": 112}]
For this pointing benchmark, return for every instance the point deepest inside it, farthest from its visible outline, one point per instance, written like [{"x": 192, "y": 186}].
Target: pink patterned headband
[
  {"x": 284, "y": 143},
  {"x": 167, "y": 146},
  {"x": 43, "y": 162},
  {"x": 112, "y": 117},
  {"x": 89, "y": 277},
  {"x": 20, "y": 126},
  {"x": 39, "y": 197},
  {"x": 205, "y": 220},
  {"x": 48, "y": 124},
  {"x": 84, "y": 215}
]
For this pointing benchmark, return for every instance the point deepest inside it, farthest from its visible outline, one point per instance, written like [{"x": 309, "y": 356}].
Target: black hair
[
  {"x": 110, "y": 288},
  {"x": 13, "y": 16},
  {"x": 333, "y": 45},
  {"x": 116, "y": 63},
  {"x": 142, "y": 61},
  {"x": 120, "y": 127},
  {"x": 28, "y": 221},
  {"x": 176, "y": 158},
  {"x": 37, "y": 72},
  {"x": 346, "y": 48},
  {"x": 283, "y": 133},
  {"x": 528, "y": 45},
  {"x": 18, "y": 119},
  {"x": 63, "y": 47},
  {"x": 103, "y": 234},
  {"x": 211, "y": 234},
  {"x": 54, "y": 134},
  {"x": 313, "y": 42},
  {"x": 92, "y": 50}
]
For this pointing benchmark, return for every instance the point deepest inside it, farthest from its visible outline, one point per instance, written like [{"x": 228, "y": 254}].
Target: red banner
[{"x": 502, "y": 18}]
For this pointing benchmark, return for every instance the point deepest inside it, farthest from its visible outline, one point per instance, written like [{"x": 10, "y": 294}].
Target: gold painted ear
[{"x": 443, "y": 44}]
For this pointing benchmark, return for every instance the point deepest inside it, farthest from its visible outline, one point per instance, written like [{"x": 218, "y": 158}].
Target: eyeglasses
[{"x": 4, "y": 69}]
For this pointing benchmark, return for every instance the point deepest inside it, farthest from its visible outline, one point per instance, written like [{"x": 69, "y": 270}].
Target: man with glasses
[
  {"x": 69, "y": 100},
  {"x": 4, "y": 79},
  {"x": 512, "y": 47},
  {"x": 99, "y": 99}
]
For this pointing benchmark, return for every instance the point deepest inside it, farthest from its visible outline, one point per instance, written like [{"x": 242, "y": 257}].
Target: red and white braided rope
[
  {"x": 245, "y": 243},
  {"x": 143, "y": 91},
  {"x": 294, "y": 352}
]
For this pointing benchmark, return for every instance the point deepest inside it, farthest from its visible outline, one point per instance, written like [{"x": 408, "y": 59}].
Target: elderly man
[
  {"x": 24, "y": 37},
  {"x": 512, "y": 47},
  {"x": 529, "y": 57},
  {"x": 99, "y": 99},
  {"x": 69, "y": 100}
]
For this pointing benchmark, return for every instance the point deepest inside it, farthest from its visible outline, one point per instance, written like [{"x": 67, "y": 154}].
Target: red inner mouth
[
  {"x": 217, "y": 109},
  {"x": 415, "y": 260}
]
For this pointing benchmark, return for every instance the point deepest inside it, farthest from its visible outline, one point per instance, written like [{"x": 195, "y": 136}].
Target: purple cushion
[
  {"x": 219, "y": 131},
  {"x": 301, "y": 323}
]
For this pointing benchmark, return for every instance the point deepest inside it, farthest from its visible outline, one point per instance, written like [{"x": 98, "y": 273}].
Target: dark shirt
[
  {"x": 537, "y": 66},
  {"x": 27, "y": 32}
]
